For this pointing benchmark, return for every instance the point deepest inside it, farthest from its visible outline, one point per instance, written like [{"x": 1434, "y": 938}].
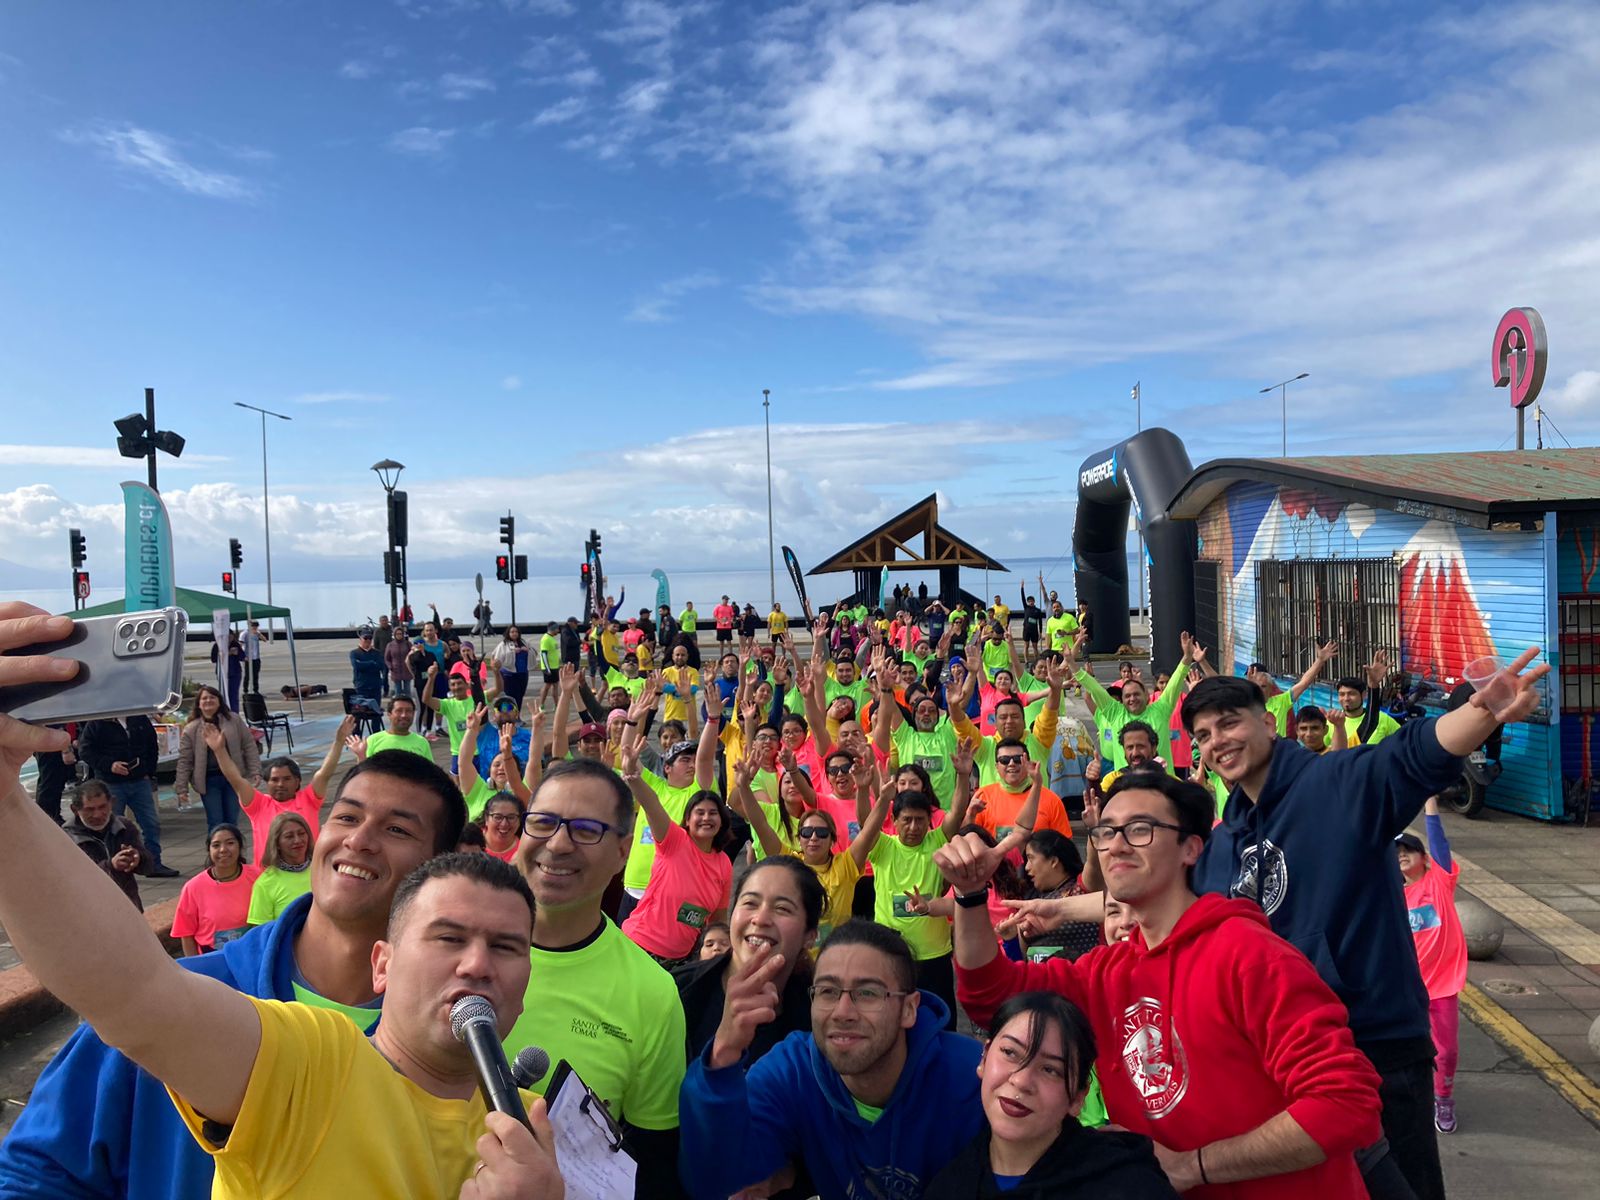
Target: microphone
[
  {"x": 472, "y": 1020},
  {"x": 529, "y": 1066}
]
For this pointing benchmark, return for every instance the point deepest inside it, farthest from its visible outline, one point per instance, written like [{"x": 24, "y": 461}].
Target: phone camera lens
[
  {"x": 125, "y": 630},
  {"x": 149, "y": 644},
  {"x": 144, "y": 628},
  {"x": 159, "y": 627},
  {"x": 133, "y": 646}
]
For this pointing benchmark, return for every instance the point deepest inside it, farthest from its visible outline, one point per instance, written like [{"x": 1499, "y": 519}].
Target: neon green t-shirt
[
  {"x": 414, "y": 742},
  {"x": 642, "y": 857},
  {"x": 857, "y": 691},
  {"x": 364, "y": 1015},
  {"x": 687, "y": 619},
  {"x": 774, "y": 815},
  {"x": 274, "y": 890},
  {"x": 932, "y": 752},
  {"x": 455, "y": 714},
  {"x": 898, "y": 868},
  {"x": 612, "y": 1012},
  {"x": 1280, "y": 706},
  {"x": 549, "y": 652},
  {"x": 996, "y": 657},
  {"x": 1060, "y": 630},
  {"x": 616, "y": 679},
  {"x": 477, "y": 797}
]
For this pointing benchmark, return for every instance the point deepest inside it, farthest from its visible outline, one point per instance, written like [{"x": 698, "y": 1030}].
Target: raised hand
[
  {"x": 569, "y": 680},
  {"x": 357, "y": 746},
  {"x": 961, "y": 758},
  {"x": 916, "y": 902},
  {"x": 1196, "y": 652},
  {"x": 213, "y": 736},
  {"x": 750, "y": 1000},
  {"x": 1326, "y": 651},
  {"x": 967, "y": 862},
  {"x": 1378, "y": 669},
  {"x": 1526, "y": 697}
]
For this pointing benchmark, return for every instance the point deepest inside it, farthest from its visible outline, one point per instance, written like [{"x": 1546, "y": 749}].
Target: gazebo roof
[{"x": 882, "y": 547}]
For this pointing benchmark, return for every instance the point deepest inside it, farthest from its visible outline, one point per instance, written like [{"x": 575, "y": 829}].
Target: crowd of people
[{"x": 747, "y": 889}]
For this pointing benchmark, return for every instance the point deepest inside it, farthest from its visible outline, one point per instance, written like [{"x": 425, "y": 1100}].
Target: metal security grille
[
  {"x": 1303, "y": 602},
  {"x": 1580, "y": 654}
]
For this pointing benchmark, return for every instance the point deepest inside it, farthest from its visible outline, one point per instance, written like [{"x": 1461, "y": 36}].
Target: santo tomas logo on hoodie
[
  {"x": 1263, "y": 875},
  {"x": 1153, "y": 1056}
]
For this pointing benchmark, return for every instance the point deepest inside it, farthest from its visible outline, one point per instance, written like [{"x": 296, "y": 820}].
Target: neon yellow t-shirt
[
  {"x": 549, "y": 652},
  {"x": 1002, "y": 613},
  {"x": 477, "y": 797},
  {"x": 777, "y": 623},
  {"x": 274, "y": 890},
  {"x": 325, "y": 1114},
  {"x": 642, "y": 856},
  {"x": 414, "y": 742},
  {"x": 612, "y": 1012},
  {"x": 455, "y": 714},
  {"x": 685, "y": 680},
  {"x": 897, "y": 868},
  {"x": 838, "y": 879}
]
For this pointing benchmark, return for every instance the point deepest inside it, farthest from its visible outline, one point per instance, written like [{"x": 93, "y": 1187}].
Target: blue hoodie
[
  {"x": 99, "y": 1126},
  {"x": 1316, "y": 851},
  {"x": 738, "y": 1128}
]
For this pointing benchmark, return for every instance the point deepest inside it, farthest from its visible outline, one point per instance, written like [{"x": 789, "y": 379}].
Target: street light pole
[
  {"x": 772, "y": 559},
  {"x": 1283, "y": 395},
  {"x": 389, "y": 475},
  {"x": 266, "y": 511}
]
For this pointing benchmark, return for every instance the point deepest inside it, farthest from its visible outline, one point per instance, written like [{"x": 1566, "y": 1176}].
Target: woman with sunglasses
[{"x": 1034, "y": 1076}]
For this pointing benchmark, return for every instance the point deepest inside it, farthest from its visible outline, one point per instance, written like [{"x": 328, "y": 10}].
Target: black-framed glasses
[
  {"x": 585, "y": 831},
  {"x": 510, "y": 817},
  {"x": 1009, "y": 760},
  {"x": 868, "y": 998},
  {"x": 1135, "y": 833},
  {"x": 815, "y": 831}
]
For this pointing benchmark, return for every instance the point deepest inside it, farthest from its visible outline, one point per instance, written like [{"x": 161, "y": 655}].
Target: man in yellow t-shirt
[
  {"x": 777, "y": 623},
  {"x": 300, "y": 1102},
  {"x": 683, "y": 685}
]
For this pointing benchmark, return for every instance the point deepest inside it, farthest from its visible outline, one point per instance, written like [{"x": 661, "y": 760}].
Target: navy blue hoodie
[
  {"x": 99, "y": 1126},
  {"x": 1316, "y": 851},
  {"x": 739, "y": 1128}
]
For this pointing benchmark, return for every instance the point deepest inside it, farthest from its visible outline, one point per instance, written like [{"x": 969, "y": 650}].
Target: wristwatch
[{"x": 975, "y": 899}]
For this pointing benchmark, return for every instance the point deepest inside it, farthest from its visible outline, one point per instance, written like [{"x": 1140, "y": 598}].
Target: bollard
[{"x": 1483, "y": 928}]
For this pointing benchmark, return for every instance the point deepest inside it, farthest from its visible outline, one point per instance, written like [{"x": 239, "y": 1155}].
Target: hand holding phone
[{"x": 118, "y": 665}]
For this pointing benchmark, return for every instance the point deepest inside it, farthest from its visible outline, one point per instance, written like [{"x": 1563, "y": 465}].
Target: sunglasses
[
  {"x": 1007, "y": 760},
  {"x": 816, "y": 831},
  {"x": 842, "y": 769}
]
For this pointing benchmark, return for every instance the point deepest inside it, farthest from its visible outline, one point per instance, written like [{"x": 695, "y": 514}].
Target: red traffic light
[
  {"x": 227, "y": 581},
  {"x": 502, "y": 567}
]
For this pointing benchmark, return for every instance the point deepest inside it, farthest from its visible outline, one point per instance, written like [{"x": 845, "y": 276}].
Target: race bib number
[
  {"x": 900, "y": 909},
  {"x": 646, "y": 837},
  {"x": 1002, "y": 832},
  {"x": 1424, "y": 916},
  {"x": 1040, "y": 953},
  {"x": 932, "y": 764},
  {"x": 693, "y": 916},
  {"x": 853, "y": 828}
]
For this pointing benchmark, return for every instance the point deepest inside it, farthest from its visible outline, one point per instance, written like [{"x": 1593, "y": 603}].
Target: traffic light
[
  {"x": 508, "y": 530},
  {"x": 393, "y": 574},
  {"x": 594, "y": 540},
  {"x": 80, "y": 548},
  {"x": 502, "y": 568},
  {"x": 583, "y": 575},
  {"x": 80, "y": 584},
  {"x": 520, "y": 567},
  {"x": 235, "y": 553},
  {"x": 397, "y": 518},
  {"x": 227, "y": 581}
]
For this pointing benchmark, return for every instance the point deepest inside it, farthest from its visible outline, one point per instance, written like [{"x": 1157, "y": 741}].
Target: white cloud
[
  {"x": 1579, "y": 395},
  {"x": 97, "y": 457},
  {"x": 158, "y": 157},
  {"x": 464, "y": 86},
  {"x": 422, "y": 141},
  {"x": 358, "y": 68},
  {"x": 559, "y": 113},
  {"x": 661, "y": 304},
  {"x": 511, "y": 383}
]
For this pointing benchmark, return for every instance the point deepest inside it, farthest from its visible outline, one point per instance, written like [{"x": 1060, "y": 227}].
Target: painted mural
[{"x": 1444, "y": 624}]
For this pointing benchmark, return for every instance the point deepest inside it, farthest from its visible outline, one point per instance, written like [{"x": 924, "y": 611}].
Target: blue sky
[{"x": 548, "y": 253}]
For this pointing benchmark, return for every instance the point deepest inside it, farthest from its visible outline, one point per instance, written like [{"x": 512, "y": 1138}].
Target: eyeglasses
[
  {"x": 839, "y": 769},
  {"x": 585, "y": 831},
  {"x": 816, "y": 831},
  {"x": 1135, "y": 833},
  {"x": 766, "y": 737},
  {"x": 867, "y": 998},
  {"x": 505, "y": 818},
  {"x": 1009, "y": 760}
]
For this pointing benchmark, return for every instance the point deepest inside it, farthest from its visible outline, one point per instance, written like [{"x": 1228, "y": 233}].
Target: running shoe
[{"x": 1444, "y": 1114}]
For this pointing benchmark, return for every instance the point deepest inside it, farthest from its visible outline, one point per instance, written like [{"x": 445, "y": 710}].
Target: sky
[{"x": 549, "y": 253}]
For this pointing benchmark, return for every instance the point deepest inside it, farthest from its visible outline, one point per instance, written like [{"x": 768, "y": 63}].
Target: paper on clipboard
[{"x": 589, "y": 1152}]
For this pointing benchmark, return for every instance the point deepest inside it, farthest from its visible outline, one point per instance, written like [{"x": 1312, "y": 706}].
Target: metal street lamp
[
  {"x": 389, "y": 474},
  {"x": 1283, "y": 391},
  {"x": 266, "y": 513},
  {"x": 772, "y": 560}
]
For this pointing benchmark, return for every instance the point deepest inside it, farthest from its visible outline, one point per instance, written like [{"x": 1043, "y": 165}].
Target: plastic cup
[{"x": 1492, "y": 681}]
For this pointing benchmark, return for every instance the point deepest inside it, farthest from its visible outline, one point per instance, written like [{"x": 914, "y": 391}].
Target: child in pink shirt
[{"x": 1431, "y": 879}]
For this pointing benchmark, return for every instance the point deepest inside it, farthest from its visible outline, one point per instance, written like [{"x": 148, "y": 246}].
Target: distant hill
[{"x": 20, "y": 576}]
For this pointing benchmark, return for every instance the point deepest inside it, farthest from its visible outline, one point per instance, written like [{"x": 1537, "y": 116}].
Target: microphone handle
[{"x": 494, "y": 1074}]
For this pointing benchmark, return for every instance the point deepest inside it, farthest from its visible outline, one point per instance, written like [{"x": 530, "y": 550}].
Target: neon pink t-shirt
[
  {"x": 1436, "y": 929},
  {"x": 724, "y": 615},
  {"x": 213, "y": 913},
  {"x": 262, "y": 808},
  {"x": 686, "y": 886}
]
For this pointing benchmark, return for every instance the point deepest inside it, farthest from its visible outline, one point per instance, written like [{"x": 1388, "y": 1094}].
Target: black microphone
[
  {"x": 529, "y": 1066},
  {"x": 472, "y": 1020}
]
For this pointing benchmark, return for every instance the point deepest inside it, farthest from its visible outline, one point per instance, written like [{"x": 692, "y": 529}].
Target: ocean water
[{"x": 344, "y": 604}]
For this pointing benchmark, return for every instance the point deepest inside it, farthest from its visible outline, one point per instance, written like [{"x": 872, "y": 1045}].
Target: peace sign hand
[{"x": 750, "y": 1001}]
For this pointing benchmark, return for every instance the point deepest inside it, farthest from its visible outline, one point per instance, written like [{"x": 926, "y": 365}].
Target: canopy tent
[{"x": 201, "y": 605}]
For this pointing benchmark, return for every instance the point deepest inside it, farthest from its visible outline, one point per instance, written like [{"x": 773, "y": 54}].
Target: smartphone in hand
[{"x": 129, "y": 663}]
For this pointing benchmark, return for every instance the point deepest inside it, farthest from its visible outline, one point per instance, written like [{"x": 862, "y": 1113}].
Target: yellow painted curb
[{"x": 1575, "y": 1087}]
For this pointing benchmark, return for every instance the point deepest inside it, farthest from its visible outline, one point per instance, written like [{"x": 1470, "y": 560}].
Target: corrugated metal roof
[{"x": 1472, "y": 487}]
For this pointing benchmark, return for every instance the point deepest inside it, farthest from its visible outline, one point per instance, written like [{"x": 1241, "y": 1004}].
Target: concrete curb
[
  {"x": 1573, "y": 1085},
  {"x": 25, "y": 1004}
]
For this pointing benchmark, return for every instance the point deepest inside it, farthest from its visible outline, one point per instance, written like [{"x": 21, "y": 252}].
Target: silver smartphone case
[{"x": 131, "y": 663}]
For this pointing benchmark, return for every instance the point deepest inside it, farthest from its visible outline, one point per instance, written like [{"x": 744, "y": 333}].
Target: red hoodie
[{"x": 1219, "y": 1028}]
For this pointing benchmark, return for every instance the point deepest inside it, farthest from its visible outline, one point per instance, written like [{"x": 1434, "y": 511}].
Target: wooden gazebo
[{"x": 890, "y": 545}]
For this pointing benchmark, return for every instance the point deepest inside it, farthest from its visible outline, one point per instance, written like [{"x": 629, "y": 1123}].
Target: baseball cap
[
  {"x": 591, "y": 729},
  {"x": 505, "y": 703},
  {"x": 1409, "y": 841},
  {"x": 364, "y": 632},
  {"x": 679, "y": 749}
]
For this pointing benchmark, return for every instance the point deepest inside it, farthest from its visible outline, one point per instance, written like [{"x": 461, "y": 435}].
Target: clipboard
[{"x": 589, "y": 1149}]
